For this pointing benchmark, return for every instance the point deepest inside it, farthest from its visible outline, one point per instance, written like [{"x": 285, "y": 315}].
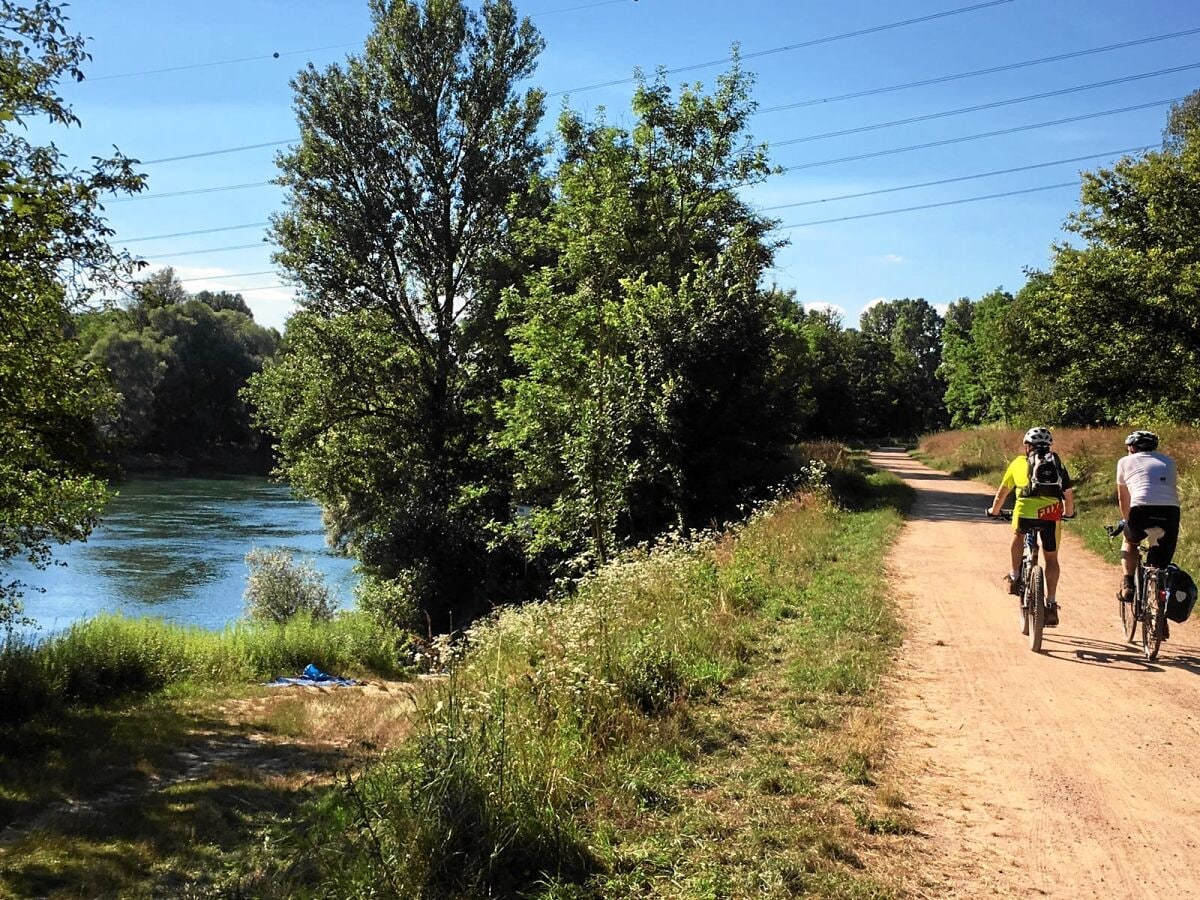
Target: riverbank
[{"x": 701, "y": 720}]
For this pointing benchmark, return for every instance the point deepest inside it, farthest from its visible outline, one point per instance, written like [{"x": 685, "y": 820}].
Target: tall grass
[
  {"x": 110, "y": 656},
  {"x": 562, "y": 719},
  {"x": 1091, "y": 455}
]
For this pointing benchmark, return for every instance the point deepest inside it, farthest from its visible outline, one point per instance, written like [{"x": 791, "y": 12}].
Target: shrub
[
  {"x": 278, "y": 589},
  {"x": 391, "y": 603}
]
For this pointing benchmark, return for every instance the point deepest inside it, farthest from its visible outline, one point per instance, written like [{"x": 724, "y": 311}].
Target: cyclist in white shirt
[{"x": 1148, "y": 498}]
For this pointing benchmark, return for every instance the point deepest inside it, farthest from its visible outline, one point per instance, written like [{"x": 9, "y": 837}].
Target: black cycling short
[
  {"x": 1047, "y": 528},
  {"x": 1142, "y": 518}
]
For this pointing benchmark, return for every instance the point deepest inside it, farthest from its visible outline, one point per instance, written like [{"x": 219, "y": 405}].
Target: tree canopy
[
  {"x": 54, "y": 254},
  {"x": 396, "y": 222}
]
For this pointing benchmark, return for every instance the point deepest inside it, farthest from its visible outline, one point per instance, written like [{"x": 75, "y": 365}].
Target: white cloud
[
  {"x": 874, "y": 302},
  {"x": 942, "y": 309},
  {"x": 820, "y": 306},
  {"x": 893, "y": 258}
]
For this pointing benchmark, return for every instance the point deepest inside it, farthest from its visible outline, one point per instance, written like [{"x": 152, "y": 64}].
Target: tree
[
  {"x": 397, "y": 217},
  {"x": 914, "y": 330},
  {"x": 652, "y": 391},
  {"x": 1112, "y": 331},
  {"x": 53, "y": 255},
  {"x": 982, "y": 361},
  {"x": 178, "y": 363}
]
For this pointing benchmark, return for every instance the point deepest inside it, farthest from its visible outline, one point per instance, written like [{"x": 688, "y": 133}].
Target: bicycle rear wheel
[
  {"x": 1036, "y": 605},
  {"x": 1153, "y": 614},
  {"x": 1129, "y": 611}
]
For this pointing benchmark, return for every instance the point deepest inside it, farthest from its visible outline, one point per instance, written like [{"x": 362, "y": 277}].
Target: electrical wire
[
  {"x": 941, "y": 181},
  {"x": 208, "y": 190},
  {"x": 234, "y": 275},
  {"x": 892, "y": 212},
  {"x": 159, "y": 237},
  {"x": 790, "y": 47},
  {"x": 982, "y": 106},
  {"x": 211, "y": 250},
  {"x": 942, "y": 79},
  {"x": 979, "y": 136}
]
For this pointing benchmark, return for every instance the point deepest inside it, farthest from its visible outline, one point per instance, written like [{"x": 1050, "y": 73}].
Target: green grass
[
  {"x": 108, "y": 657},
  {"x": 614, "y": 742}
]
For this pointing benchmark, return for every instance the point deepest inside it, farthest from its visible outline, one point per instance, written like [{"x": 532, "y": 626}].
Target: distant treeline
[{"x": 177, "y": 363}]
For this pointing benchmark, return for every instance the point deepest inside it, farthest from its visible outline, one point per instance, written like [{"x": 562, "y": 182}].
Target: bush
[
  {"x": 390, "y": 603},
  {"x": 278, "y": 589}
]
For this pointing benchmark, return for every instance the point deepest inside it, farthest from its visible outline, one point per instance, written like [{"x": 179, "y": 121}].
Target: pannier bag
[{"x": 1181, "y": 594}]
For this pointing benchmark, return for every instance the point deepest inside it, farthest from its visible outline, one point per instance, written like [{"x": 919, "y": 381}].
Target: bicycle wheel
[
  {"x": 1153, "y": 613},
  {"x": 1036, "y": 604},
  {"x": 1129, "y": 611},
  {"x": 1022, "y": 591}
]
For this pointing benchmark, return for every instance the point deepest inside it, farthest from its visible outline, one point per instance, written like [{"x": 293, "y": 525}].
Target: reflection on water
[{"x": 176, "y": 548}]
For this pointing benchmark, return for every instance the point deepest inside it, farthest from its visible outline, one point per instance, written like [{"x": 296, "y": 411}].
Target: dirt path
[{"x": 1070, "y": 773}]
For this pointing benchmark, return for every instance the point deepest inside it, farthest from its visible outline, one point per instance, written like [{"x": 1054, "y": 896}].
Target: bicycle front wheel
[
  {"x": 1153, "y": 614},
  {"x": 1022, "y": 593},
  {"x": 1035, "y": 602}
]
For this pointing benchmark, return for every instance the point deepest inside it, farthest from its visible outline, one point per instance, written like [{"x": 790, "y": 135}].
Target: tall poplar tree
[{"x": 412, "y": 160}]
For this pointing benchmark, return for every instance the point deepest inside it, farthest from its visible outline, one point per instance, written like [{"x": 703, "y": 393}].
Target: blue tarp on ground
[{"x": 314, "y": 677}]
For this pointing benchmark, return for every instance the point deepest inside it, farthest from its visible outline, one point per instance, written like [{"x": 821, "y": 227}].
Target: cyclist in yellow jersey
[{"x": 1045, "y": 495}]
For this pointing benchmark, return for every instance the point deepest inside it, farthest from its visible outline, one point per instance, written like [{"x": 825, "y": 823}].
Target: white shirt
[{"x": 1150, "y": 478}]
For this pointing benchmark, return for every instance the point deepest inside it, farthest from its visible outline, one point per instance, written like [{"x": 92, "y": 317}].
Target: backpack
[
  {"x": 1181, "y": 594},
  {"x": 1045, "y": 474}
]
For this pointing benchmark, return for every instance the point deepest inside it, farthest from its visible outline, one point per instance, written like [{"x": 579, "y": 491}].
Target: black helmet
[{"x": 1142, "y": 441}]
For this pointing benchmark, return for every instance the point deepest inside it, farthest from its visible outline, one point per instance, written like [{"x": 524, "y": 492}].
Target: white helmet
[{"x": 1038, "y": 435}]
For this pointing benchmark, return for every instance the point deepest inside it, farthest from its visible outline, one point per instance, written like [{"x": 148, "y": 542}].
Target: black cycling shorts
[
  {"x": 1047, "y": 528},
  {"x": 1142, "y": 518}
]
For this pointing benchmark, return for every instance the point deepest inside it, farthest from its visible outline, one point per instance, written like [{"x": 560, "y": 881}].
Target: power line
[
  {"x": 941, "y": 181},
  {"x": 210, "y": 250},
  {"x": 283, "y": 53},
  {"x": 992, "y": 105},
  {"x": 208, "y": 190},
  {"x": 979, "y": 136},
  {"x": 218, "y": 277},
  {"x": 790, "y": 47},
  {"x": 941, "y": 79},
  {"x": 166, "y": 159},
  {"x": 158, "y": 237},
  {"x": 551, "y": 12},
  {"x": 891, "y": 212},
  {"x": 219, "y": 62},
  {"x": 833, "y": 99}
]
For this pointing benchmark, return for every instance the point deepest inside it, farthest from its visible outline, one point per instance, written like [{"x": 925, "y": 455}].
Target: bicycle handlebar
[
  {"x": 1114, "y": 530},
  {"x": 1007, "y": 514}
]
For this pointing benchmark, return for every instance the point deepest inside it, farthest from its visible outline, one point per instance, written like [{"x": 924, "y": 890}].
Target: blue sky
[{"x": 940, "y": 253}]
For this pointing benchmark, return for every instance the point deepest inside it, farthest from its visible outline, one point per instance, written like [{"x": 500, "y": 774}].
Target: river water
[{"x": 175, "y": 548}]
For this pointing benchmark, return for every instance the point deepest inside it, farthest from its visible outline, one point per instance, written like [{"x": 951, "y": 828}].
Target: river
[{"x": 175, "y": 548}]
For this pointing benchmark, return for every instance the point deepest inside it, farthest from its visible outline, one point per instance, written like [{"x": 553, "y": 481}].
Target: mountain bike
[
  {"x": 1031, "y": 586},
  {"x": 1149, "y": 605}
]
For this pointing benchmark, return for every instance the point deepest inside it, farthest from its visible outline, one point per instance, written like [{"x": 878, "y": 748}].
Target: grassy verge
[
  {"x": 697, "y": 721},
  {"x": 108, "y": 657},
  {"x": 1091, "y": 455},
  {"x": 135, "y": 753}
]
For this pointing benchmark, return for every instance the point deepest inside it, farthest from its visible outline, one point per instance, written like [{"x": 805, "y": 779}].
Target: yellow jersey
[{"x": 1016, "y": 477}]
